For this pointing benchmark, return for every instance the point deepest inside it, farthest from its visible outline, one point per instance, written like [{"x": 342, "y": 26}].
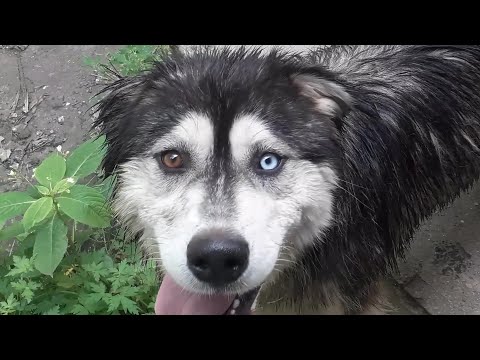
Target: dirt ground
[{"x": 45, "y": 95}]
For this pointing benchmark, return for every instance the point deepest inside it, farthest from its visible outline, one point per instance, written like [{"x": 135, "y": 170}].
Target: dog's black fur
[{"x": 405, "y": 144}]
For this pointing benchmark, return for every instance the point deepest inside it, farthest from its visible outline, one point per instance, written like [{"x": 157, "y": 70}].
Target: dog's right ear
[{"x": 114, "y": 118}]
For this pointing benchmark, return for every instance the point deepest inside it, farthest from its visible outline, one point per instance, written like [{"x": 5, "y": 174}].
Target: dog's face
[{"x": 226, "y": 162}]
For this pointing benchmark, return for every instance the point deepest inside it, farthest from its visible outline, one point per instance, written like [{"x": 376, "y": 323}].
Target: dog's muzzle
[{"x": 217, "y": 258}]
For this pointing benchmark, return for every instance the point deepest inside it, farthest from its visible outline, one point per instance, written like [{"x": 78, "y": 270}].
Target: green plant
[
  {"x": 67, "y": 257},
  {"x": 50, "y": 272},
  {"x": 86, "y": 283},
  {"x": 129, "y": 60},
  {"x": 55, "y": 202}
]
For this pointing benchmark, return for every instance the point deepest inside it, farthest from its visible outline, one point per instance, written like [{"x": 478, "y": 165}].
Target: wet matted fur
[{"x": 374, "y": 139}]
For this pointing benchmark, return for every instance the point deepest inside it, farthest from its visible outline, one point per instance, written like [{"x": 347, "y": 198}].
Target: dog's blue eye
[{"x": 269, "y": 162}]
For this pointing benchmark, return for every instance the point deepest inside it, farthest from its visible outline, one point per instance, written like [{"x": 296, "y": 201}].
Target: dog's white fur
[{"x": 283, "y": 212}]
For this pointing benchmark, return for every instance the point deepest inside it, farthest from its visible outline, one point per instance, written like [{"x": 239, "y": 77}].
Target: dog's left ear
[{"x": 330, "y": 97}]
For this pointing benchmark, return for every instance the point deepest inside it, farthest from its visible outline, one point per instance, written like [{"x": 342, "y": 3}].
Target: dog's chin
[{"x": 173, "y": 299}]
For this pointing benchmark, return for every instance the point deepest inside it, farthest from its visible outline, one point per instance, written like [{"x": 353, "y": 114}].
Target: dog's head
[{"x": 226, "y": 162}]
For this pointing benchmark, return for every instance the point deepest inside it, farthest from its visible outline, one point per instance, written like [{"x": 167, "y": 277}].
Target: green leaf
[
  {"x": 33, "y": 192},
  {"x": 114, "y": 302},
  {"x": 129, "y": 306},
  {"x": 86, "y": 158},
  {"x": 14, "y": 203},
  {"x": 26, "y": 289},
  {"x": 90, "y": 305},
  {"x": 43, "y": 190},
  {"x": 79, "y": 310},
  {"x": 4, "y": 287},
  {"x": 85, "y": 205},
  {"x": 37, "y": 212},
  {"x": 9, "y": 306},
  {"x": 106, "y": 186},
  {"x": 128, "y": 291},
  {"x": 96, "y": 270},
  {"x": 95, "y": 257},
  {"x": 12, "y": 231},
  {"x": 99, "y": 288},
  {"x": 50, "y": 245},
  {"x": 22, "y": 265},
  {"x": 51, "y": 170},
  {"x": 53, "y": 311},
  {"x": 64, "y": 185}
]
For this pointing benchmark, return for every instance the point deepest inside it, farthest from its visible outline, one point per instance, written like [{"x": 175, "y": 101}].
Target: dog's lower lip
[{"x": 243, "y": 303}]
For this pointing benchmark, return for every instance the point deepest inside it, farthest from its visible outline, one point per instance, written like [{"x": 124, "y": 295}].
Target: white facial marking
[
  {"x": 248, "y": 130},
  {"x": 195, "y": 130},
  {"x": 166, "y": 207},
  {"x": 284, "y": 210},
  {"x": 273, "y": 213}
]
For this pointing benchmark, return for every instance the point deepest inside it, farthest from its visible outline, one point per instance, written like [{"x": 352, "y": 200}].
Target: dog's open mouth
[{"x": 174, "y": 300}]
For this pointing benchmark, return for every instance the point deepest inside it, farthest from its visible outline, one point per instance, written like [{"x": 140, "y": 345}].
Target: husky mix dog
[{"x": 289, "y": 183}]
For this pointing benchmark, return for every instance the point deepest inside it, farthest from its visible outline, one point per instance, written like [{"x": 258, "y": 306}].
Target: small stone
[
  {"x": 462, "y": 222},
  {"x": 17, "y": 155},
  {"x": 51, "y": 131},
  {"x": 4, "y": 154},
  {"x": 24, "y": 133},
  {"x": 61, "y": 119},
  {"x": 14, "y": 115},
  {"x": 476, "y": 204},
  {"x": 56, "y": 141},
  {"x": 35, "y": 158}
]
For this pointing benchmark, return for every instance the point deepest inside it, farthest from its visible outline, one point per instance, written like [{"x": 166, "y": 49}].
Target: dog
[{"x": 284, "y": 183}]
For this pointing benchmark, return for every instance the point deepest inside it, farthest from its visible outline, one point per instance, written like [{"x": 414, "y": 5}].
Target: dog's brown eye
[{"x": 172, "y": 159}]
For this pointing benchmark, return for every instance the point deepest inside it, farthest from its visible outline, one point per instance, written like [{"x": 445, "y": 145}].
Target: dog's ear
[
  {"x": 328, "y": 95},
  {"x": 114, "y": 119}
]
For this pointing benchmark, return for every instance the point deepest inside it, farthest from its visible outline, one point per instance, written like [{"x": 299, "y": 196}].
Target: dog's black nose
[{"x": 217, "y": 258}]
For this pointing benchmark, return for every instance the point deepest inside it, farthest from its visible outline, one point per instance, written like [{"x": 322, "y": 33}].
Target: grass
[{"x": 127, "y": 61}]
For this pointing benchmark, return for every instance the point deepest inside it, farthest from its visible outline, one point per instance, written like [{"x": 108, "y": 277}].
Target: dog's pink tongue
[{"x": 174, "y": 300}]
